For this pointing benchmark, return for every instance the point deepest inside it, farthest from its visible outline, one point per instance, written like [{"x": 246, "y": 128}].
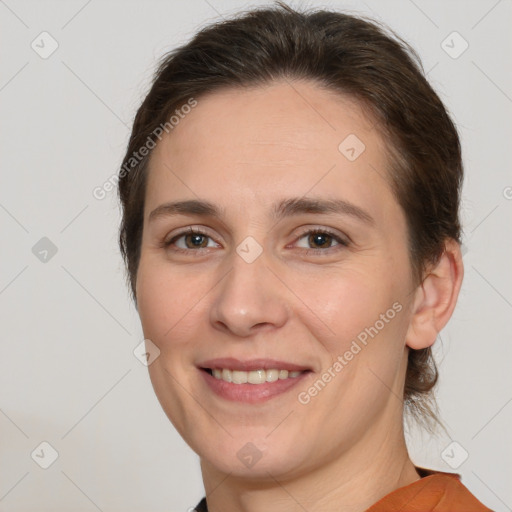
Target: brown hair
[{"x": 349, "y": 55}]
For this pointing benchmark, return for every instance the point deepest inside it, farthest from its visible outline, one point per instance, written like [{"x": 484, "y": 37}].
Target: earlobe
[{"x": 436, "y": 297}]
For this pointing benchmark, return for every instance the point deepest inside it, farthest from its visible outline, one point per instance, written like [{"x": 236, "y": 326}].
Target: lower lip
[{"x": 251, "y": 393}]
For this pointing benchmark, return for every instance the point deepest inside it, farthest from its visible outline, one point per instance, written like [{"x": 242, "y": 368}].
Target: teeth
[
  {"x": 252, "y": 377},
  {"x": 239, "y": 377},
  {"x": 257, "y": 377},
  {"x": 272, "y": 375}
]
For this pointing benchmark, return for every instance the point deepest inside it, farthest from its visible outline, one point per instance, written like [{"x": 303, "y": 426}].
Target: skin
[{"x": 243, "y": 150}]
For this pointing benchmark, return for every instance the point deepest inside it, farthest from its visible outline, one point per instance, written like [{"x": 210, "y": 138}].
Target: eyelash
[{"x": 191, "y": 231}]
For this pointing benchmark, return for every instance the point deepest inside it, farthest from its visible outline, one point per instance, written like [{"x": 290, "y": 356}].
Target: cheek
[
  {"x": 174, "y": 304},
  {"x": 165, "y": 300},
  {"x": 346, "y": 303}
]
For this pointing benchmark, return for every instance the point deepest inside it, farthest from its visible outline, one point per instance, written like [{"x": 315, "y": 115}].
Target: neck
[{"x": 375, "y": 466}]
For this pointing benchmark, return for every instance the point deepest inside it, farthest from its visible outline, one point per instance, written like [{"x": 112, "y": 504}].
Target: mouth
[
  {"x": 251, "y": 381},
  {"x": 259, "y": 376}
]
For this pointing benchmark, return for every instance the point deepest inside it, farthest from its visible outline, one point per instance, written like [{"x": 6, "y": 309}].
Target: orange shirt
[{"x": 435, "y": 491}]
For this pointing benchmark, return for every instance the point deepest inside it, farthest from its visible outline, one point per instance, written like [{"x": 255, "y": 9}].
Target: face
[{"x": 298, "y": 263}]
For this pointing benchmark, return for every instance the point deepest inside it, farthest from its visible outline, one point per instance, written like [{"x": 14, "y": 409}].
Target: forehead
[{"x": 260, "y": 143}]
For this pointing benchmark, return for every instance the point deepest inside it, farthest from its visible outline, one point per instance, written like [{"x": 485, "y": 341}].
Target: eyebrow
[{"x": 280, "y": 210}]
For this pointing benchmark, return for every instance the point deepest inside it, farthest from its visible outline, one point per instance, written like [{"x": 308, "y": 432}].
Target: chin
[{"x": 256, "y": 456}]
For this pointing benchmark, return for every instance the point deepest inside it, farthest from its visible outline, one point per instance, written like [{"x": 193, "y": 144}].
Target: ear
[{"x": 436, "y": 297}]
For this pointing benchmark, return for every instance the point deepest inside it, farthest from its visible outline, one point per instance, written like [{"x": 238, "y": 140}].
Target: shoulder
[{"x": 436, "y": 491}]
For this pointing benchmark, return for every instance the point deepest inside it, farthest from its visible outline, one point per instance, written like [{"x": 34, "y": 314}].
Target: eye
[
  {"x": 192, "y": 239},
  {"x": 322, "y": 239},
  {"x": 196, "y": 239}
]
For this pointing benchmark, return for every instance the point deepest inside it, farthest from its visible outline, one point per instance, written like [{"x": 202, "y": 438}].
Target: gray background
[{"x": 68, "y": 375}]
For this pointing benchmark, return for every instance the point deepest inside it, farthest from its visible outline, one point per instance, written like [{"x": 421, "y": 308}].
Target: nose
[{"x": 250, "y": 298}]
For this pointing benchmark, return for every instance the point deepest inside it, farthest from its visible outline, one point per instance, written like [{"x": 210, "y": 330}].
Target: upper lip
[{"x": 253, "y": 364}]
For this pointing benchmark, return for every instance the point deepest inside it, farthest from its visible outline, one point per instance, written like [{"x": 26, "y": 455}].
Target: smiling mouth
[{"x": 260, "y": 376}]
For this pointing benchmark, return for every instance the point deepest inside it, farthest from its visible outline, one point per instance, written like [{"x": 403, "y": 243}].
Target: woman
[{"x": 291, "y": 232}]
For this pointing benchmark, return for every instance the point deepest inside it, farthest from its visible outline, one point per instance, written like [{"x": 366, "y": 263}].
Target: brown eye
[
  {"x": 192, "y": 239},
  {"x": 321, "y": 240},
  {"x": 196, "y": 240}
]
